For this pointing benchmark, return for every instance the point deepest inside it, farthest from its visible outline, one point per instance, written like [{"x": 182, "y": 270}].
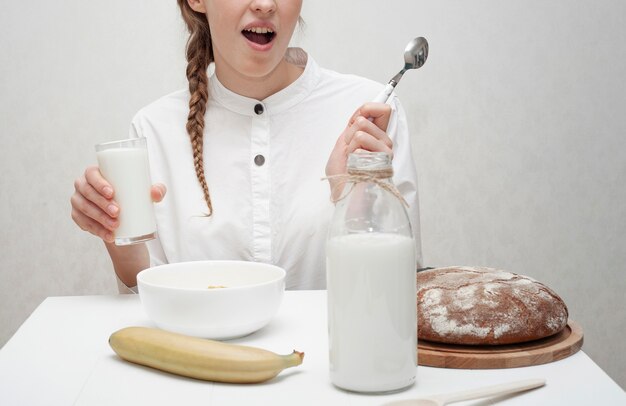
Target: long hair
[{"x": 199, "y": 55}]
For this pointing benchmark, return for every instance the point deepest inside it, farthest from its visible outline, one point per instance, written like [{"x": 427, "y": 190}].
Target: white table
[{"x": 60, "y": 356}]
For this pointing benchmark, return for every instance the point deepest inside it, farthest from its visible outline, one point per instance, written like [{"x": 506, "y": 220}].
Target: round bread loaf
[{"x": 485, "y": 306}]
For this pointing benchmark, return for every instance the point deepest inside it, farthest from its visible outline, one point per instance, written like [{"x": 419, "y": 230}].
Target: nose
[{"x": 263, "y": 6}]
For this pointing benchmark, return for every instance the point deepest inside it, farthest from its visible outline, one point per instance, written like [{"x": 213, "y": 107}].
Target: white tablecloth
[{"x": 60, "y": 356}]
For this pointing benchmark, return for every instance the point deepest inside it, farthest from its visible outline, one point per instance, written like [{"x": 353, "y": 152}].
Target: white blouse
[{"x": 263, "y": 163}]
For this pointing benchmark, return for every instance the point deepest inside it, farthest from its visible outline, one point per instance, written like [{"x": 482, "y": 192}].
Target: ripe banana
[{"x": 199, "y": 358}]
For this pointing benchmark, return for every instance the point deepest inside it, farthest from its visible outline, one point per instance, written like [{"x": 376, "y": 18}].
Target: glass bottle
[{"x": 370, "y": 268}]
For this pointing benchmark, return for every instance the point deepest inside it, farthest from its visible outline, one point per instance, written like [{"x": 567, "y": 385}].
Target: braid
[{"x": 199, "y": 56}]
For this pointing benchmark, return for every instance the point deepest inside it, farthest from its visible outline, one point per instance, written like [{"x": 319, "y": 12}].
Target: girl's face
[{"x": 250, "y": 37}]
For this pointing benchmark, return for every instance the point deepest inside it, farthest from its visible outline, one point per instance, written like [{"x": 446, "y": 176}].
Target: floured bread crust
[{"x": 485, "y": 306}]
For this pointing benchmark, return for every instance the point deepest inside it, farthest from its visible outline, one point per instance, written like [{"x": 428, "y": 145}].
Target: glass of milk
[
  {"x": 371, "y": 275},
  {"x": 124, "y": 164}
]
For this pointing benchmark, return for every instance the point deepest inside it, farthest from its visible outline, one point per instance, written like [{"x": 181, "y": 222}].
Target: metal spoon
[
  {"x": 496, "y": 390},
  {"x": 415, "y": 55}
]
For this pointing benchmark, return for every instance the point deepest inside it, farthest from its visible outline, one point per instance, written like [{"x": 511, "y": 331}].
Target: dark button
[
  {"x": 259, "y": 160},
  {"x": 258, "y": 109}
]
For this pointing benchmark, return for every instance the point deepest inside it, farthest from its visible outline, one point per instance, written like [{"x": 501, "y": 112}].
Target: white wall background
[{"x": 518, "y": 125}]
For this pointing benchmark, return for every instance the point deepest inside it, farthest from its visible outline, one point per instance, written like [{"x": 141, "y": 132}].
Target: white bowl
[{"x": 178, "y": 297}]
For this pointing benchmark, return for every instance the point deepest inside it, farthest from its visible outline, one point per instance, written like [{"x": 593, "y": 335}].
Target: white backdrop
[{"x": 517, "y": 120}]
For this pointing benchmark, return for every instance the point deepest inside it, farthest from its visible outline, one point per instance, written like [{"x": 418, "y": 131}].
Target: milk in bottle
[{"x": 371, "y": 265}]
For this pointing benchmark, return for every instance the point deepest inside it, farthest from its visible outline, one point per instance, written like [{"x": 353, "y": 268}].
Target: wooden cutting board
[{"x": 537, "y": 352}]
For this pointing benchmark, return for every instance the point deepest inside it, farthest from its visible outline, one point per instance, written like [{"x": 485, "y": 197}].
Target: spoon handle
[
  {"x": 386, "y": 92},
  {"x": 502, "y": 389}
]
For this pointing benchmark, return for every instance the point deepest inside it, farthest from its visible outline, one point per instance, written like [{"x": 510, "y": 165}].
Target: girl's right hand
[{"x": 94, "y": 208}]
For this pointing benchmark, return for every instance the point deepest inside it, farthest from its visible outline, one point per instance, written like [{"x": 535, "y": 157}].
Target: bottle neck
[
  {"x": 371, "y": 174},
  {"x": 372, "y": 164},
  {"x": 375, "y": 168}
]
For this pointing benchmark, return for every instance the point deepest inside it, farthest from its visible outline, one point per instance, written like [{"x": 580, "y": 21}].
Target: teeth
[{"x": 260, "y": 30}]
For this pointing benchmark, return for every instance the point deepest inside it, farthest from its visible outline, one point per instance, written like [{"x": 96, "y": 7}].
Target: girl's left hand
[{"x": 360, "y": 134}]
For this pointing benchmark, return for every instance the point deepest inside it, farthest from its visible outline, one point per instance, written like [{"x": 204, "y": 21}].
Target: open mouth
[{"x": 259, "y": 35}]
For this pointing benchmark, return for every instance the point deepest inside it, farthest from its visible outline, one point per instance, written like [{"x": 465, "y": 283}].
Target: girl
[{"x": 242, "y": 151}]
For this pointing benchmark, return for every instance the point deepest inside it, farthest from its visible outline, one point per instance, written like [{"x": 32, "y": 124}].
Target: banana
[{"x": 199, "y": 358}]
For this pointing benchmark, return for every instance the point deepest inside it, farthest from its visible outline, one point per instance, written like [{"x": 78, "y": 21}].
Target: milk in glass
[{"x": 124, "y": 164}]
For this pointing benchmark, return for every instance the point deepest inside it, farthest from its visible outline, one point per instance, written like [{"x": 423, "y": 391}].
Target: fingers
[
  {"x": 98, "y": 191},
  {"x": 379, "y": 113},
  {"x": 157, "y": 192},
  {"x": 362, "y": 126},
  {"x": 364, "y": 141},
  {"x": 361, "y": 134},
  {"x": 96, "y": 180},
  {"x": 367, "y": 129},
  {"x": 87, "y": 223},
  {"x": 93, "y": 207},
  {"x": 90, "y": 218}
]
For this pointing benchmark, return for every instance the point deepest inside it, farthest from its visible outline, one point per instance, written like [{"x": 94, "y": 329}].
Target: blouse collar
[{"x": 278, "y": 102}]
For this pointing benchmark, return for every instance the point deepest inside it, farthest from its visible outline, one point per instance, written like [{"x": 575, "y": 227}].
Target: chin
[{"x": 260, "y": 67}]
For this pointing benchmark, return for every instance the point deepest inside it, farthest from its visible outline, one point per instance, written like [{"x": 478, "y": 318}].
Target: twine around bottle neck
[{"x": 381, "y": 177}]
